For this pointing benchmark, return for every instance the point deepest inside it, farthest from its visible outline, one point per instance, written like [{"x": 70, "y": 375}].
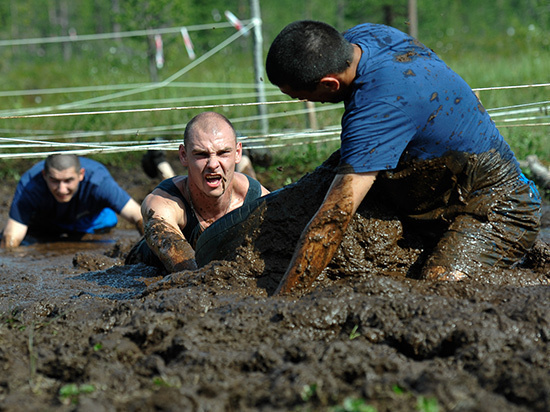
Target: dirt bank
[{"x": 79, "y": 331}]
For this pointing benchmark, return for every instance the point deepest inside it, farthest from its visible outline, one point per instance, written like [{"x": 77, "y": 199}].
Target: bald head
[
  {"x": 209, "y": 122},
  {"x": 62, "y": 162}
]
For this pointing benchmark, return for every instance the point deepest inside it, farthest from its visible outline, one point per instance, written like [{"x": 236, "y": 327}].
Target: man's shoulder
[
  {"x": 173, "y": 186},
  {"x": 97, "y": 175},
  {"x": 249, "y": 187},
  {"x": 32, "y": 179},
  {"x": 31, "y": 173},
  {"x": 372, "y": 30}
]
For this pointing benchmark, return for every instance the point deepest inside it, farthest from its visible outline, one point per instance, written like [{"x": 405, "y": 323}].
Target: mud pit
[{"x": 215, "y": 340}]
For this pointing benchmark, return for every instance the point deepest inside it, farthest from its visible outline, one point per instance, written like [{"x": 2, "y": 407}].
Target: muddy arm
[
  {"x": 325, "y": 231},
  {"x": 13, "y": 235},
  {"x": 169, "y": 244}
]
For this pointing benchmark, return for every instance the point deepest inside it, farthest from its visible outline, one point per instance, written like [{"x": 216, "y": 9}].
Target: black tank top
[{"x": 192, "y": 229}]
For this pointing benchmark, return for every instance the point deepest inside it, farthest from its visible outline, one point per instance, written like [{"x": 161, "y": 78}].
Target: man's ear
[
  {"x": 183, "y": 155},
  {"x": 331, "y": 83},
  {"x": 239, "y": 152},
  {"x": 81, "y": 174}
]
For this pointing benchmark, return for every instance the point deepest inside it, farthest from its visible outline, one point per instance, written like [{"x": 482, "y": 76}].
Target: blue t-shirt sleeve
[
  {"x": 31, "y": 195},
  {"x": 374, "y": 136},
  {"x": 22, "y": 206}
]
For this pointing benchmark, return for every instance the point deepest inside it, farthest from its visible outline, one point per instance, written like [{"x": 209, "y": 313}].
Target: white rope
[
  {"x": 522, "y": 119},
  {"x": 206, "y": 98},
  {"x": 157, "y": 109},
  {"x": 154, "y": 131},
  {"x": 523, "y": 86},
  {"x": 517, "y": 106},
  {"x": 151, "y": 86},
  {"x": 114, "y": 35},
  {"x": 331, "y": 130},
  {"x": 272, "y": 140},
  {"x": 276, "y": 140},
  {"x": 150, "y": 102},
  {"x": 109, "y": 87},
  {"x": 524, "y": 125},
  {"x": 246, "y": 140}
]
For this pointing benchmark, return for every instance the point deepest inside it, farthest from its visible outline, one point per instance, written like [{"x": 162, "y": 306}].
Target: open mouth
[{"x": 213, "y": 180}]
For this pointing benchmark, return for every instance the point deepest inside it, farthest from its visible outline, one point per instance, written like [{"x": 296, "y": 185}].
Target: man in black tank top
[{"x": 178, "y": 210}]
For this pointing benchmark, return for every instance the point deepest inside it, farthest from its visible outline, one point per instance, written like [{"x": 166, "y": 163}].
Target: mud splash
[{"x": 214, "y": 339}]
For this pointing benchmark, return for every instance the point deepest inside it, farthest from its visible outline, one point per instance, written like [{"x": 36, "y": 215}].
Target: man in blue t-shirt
[
  {"x": 415, "y": 136},
  {"x": 66, "y": 194}
]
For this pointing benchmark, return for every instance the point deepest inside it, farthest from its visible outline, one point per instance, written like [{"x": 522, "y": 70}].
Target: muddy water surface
[{"x": 216, "y": 340}]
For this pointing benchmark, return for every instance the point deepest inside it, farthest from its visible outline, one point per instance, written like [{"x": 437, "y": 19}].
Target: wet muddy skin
[{"x": 216, "y": 340}]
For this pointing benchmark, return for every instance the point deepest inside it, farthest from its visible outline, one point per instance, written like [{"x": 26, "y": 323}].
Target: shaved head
[
  {"x": 210, "y": 122},
  {"x": 62, "y": 162}
]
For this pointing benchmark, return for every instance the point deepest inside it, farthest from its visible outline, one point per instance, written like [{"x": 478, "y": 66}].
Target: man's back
[{"x": 407, "y": 104}]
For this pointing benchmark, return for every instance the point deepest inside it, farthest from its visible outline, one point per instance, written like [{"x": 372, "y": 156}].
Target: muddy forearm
[
  {"x": 316, "y": 247},
  {"x": 325, "y": 231},
  {"x": 170, "y": 246}
]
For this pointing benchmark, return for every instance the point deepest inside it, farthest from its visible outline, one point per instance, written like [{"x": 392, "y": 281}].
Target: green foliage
[
  {"x": 354, "y": 334},
  {"x": 308, "y": 392},
  {"x": 11, "y": 320},
  {"x": 354, "y": 405},
  {"x": 160, "y": 382},
  {"x": 398, "y": 390},
  {"x": 424, "y": 404},
  {"x": 71, "y": 392}
]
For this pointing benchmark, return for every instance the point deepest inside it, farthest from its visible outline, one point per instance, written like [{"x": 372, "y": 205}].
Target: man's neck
[{"x": 207, "y": 208}]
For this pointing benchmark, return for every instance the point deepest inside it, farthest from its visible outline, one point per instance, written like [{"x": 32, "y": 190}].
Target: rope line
[
  {"x": 153, "y": 86},
  {"x": 102, "y": 87},
  {"x": 212, "y": 97},
  {"x": 155, "y": 130},
  {"x": 157, "y": 109},
  {"x": 275, "y": 140},
  {"x": 114, "y": 35},
  {"x": 481, "y": 89}
]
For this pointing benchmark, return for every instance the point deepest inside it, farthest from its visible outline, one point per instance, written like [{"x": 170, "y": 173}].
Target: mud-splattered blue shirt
[
  {"x": 420, "y": 125},
  {"x": 408, "y": 104},
  {"x": 34, "y": 204}
]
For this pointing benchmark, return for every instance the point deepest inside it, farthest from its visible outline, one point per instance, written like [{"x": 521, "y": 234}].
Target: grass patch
[{"x": 71, "y": 392}]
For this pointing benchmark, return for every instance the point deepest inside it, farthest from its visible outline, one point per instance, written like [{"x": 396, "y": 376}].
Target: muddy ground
[{"x": 80, "y": 331}]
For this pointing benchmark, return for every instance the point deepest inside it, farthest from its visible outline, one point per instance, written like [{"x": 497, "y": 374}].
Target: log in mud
[{"x": 81, "y": 331}]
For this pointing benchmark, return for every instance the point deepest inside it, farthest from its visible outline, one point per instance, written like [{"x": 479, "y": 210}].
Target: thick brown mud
[{"x": 81, "y": 331}]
